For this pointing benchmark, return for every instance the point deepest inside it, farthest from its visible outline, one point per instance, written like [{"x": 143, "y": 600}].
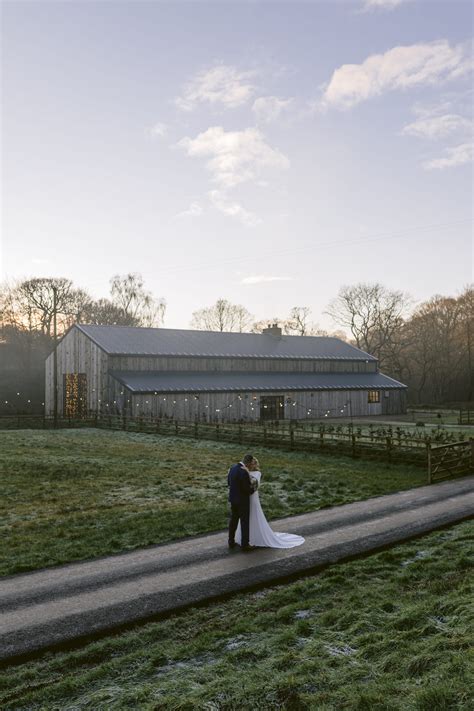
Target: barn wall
[
  {"x": 219, "y": 407},
  {"x": 268, "y": 365},
  {"x": 77, "y": 354},
  {"x": 395, "y": 403}
]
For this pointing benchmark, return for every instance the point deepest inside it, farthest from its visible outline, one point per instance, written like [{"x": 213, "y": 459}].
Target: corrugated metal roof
[
  {"x": 142, "y": 381},
  {"x": 124, "y": 340}
]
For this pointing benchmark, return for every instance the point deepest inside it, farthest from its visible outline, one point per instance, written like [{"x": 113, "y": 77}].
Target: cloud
[
  {"x": 222, "y": 84},
  {"x": 402, "y": 67},
  {"x": 235, "y": 157},
  {"x": 382, "y": 4},
  {"x": 194, "y": 210},
  {"x": 159, "y": 130},
  {"x": 231, "y": 208},
  {"x": 262, "y": 278},
  {"x": 454, "y": 156},
  {"x": 270, "y": 108},
  {"x": 435, "y": 127}
]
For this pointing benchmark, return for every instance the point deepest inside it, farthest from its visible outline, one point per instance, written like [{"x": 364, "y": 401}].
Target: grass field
[
  {"x": 392, "y": 631},
  {"x": 76, "y": 494}
]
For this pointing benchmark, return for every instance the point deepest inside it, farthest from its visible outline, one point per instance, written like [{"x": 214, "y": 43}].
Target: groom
[{"x": 240, "y": 489}]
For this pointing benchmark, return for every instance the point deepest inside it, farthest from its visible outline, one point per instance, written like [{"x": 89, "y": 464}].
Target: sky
[{"x": 263, "y": 152}]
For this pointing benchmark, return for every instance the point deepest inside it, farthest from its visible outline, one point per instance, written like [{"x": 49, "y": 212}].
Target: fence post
[
  {"x": 292, "y": 438},
  {"x": 196, "y": 430},
  {"x": 240, "y": 434},
  {"x": 471, "y": 440},
  {"x": 428, "y": 450},
  {"x": 176, "y": 427},
  {"x": 217, "y": 430},
  {"x": 389, "y": 449},
  {"x": 353, "y": 438}
]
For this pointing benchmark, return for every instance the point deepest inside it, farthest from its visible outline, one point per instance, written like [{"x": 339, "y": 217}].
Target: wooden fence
[
  {"x": 370, "y": 441},
  {"x": 448, "y": 460},
  {"x": 466, "y": 417}
]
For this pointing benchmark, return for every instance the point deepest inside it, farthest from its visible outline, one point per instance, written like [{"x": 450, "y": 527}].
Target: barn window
[
  {"x": 272, "y": 407},
  {"x": 75, "y": 395},
  {"x": 374, "y": 396}
]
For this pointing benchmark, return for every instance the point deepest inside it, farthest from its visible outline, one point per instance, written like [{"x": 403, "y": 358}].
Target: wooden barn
[{"x": 212, "y": 376}]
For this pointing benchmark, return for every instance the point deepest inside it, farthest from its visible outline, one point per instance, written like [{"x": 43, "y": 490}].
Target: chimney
[{"x": 272, "y": 330}]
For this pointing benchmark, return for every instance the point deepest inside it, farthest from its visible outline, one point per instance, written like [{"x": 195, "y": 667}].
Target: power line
[{"x": 239, "y": 258}]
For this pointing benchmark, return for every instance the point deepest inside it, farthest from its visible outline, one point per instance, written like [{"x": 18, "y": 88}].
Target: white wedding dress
[{"x": 260, "y": 532}]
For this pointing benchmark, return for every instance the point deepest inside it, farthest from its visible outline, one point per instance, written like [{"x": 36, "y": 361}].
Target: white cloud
[
  {"x": 229, "y": 207},
  {"x": 437, "y": 126},
  {"x": 235, "y": 157},
  {"x": 398, "y": 68},
  {"x": 194, "y": 210},
  {"x": 453, "y": 157},
  {"x": 270, "y": 108},
  {"x": 221, "y": 84},
  {"x": 159, "y": 130},
  {"x": 262, "y": 278},
  {"x": 382, "y": 4}
]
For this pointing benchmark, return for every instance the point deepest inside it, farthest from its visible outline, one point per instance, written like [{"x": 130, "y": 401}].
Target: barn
[{"x": 213, "y": 376}]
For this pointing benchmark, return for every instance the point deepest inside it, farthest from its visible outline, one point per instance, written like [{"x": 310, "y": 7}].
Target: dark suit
[{"x": 238, "y": 481}]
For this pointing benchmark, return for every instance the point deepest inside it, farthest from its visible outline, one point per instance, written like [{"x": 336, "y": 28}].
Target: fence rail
[
  {"x": 368, "y": 441},
  {"x": 466, "y": 417},
  {"x": 449, "y": 460}
]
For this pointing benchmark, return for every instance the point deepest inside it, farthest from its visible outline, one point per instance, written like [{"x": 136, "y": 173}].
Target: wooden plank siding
[
  {"x": 220, "y": 407},
  {"x": 213, "y": 364},
  {"x": 78, "y": 354}
]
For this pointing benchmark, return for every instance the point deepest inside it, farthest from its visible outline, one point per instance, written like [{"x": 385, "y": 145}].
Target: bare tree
[
  {"x": 129, "y": 294},
  {"x": 299, "y": 323},
  {"x": 104, "y": 312},
  {"x": 373, "y": 314},
  {"x": 466, "y": 302},
  {"x": 32, "y": 305},
  {"x": 222, "y": 316}
]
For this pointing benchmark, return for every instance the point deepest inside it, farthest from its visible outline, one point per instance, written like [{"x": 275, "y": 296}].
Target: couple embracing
[{"x": 248, "y": 525}]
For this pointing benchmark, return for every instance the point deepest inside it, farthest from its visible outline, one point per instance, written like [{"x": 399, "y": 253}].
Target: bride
[{"x": 260, "y": 532}]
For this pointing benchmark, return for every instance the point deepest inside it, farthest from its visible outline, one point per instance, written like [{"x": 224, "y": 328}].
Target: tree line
[{"x": 429, "y": 346}]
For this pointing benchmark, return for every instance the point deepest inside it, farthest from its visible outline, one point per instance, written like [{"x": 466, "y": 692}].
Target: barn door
[
  {"x": 272, "y": 407},
  {"x": 75, "y": 395}
]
